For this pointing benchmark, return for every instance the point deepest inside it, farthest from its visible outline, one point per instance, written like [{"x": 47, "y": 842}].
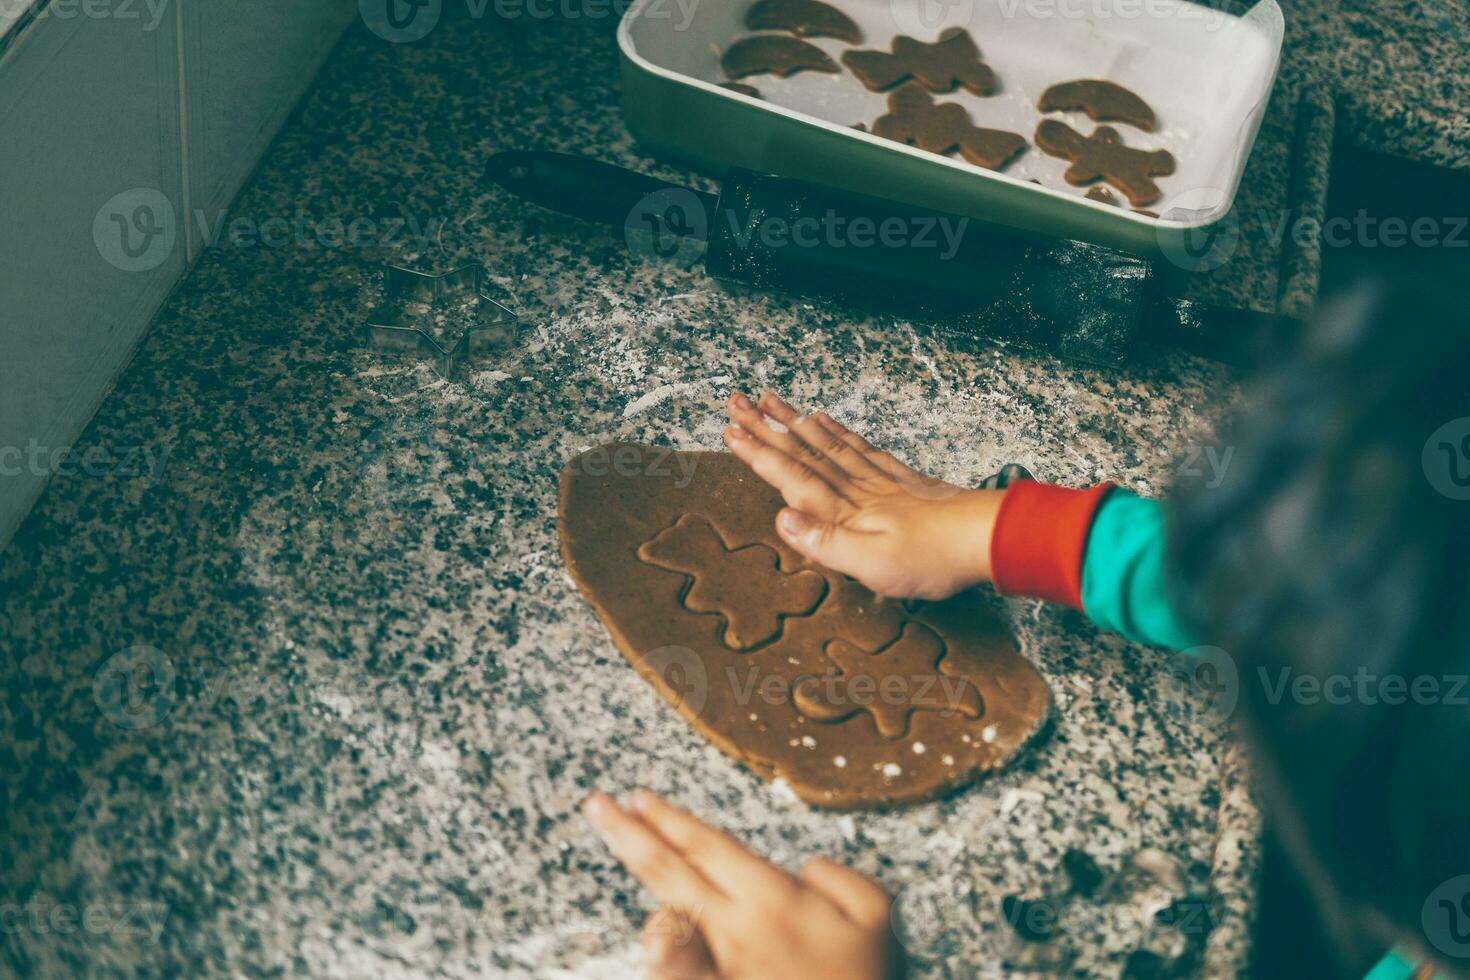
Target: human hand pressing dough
[
  {"x": 858, "y": 510},
  {"x": 729, "y": 915}
]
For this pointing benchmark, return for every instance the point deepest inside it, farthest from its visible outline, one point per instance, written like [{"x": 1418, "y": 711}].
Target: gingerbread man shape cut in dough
[
  {"x": 1103, "y": 156},
  {"x": 952, "y": 60},
  {"x": 913, "y": 118},
  {"x": 744, "y": 586},
  {"x": 910, "y": 674}
]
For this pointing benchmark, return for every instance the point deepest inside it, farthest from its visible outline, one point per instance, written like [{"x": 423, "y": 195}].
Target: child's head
[{"x": 1337, "y": 548}]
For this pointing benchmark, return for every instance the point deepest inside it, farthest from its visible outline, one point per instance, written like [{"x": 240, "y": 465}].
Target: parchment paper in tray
[{"x": 1207, "y": 75}]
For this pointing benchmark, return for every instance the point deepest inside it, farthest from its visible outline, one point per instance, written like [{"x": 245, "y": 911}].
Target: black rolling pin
[{"x": 777, "y": 232}]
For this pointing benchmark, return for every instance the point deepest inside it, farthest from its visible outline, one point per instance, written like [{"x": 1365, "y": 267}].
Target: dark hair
[{"x": 1337, "y": 544}]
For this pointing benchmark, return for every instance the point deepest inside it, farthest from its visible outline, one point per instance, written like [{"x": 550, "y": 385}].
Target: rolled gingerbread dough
[{"x": 797, "y": 672}]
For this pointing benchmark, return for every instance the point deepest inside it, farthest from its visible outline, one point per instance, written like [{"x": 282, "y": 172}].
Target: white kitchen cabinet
[{"x": 124, "y": 129}]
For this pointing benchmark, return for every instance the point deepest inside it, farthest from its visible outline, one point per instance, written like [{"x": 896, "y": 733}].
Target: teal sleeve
[
  {"x": 1124, "y": 585},
  {"x": 1393, "y": 966},
  {"x": 1124, "y": 589}
]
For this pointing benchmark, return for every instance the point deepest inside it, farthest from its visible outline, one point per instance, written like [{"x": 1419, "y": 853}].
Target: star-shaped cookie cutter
[{"x": 392, "y": 327}]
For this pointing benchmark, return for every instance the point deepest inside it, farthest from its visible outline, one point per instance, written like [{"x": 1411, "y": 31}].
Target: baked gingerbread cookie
[
  {"x": 915, "y": 119},
  {"x": 1104, "y": 156},
  {"x": 804, "y": 18},
  {"x": 939, "y": 67},
  {"x": 797, "y": 672},
  {"x": 1103, "y": 101},
  {"x": 742, "y": 88},
  {"x": 1099, "y": 193},
  {"x": 775, "y": 54}
]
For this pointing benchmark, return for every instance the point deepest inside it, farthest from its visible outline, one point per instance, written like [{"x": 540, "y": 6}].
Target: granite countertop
[{"x": 311, "y": 691}]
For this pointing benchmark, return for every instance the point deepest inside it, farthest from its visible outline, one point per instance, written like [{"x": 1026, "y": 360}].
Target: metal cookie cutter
[
  {"x": 397, "y": 326},
  {"x": 1009, "y": 473}
]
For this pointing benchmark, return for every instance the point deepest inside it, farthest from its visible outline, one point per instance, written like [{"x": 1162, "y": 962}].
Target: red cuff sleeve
[{"x": 1039, "y": 537}]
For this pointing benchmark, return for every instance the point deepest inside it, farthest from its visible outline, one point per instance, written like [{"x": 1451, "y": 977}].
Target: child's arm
[{"x": 860, "y": 511}]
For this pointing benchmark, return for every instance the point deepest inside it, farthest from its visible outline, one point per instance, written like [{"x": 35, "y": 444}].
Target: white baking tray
[{"x": 1207, "y": 74}]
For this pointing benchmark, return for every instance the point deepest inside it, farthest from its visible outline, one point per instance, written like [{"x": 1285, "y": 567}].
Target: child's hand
[
  {"x": 729, "y": 915},
  {"x": 860, "y": 511}
]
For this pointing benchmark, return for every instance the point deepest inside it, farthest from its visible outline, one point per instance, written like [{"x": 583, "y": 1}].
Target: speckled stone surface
[
  {"x": 1399, "y": 69},
  {"x": 378, "y": 700}
]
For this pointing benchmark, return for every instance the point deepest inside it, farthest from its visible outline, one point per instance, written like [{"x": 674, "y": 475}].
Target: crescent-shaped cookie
[
  {"x": 1103, "y": 101},
  {"x": 775, "y": 54},
  {"x": 742, "y": 88},
  {"x": 805, "y": 18}
]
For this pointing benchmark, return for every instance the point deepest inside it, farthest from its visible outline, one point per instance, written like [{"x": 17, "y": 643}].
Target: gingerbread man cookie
[
  {"x": 917, "y": 656},
  {"x": 952, "y": 60},
  {"x": 744, "y": 586},
  {"x": 913, "y": 118},
  {"x": 775, "y": 54},
  {"x": 1104, "y": 156}
]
